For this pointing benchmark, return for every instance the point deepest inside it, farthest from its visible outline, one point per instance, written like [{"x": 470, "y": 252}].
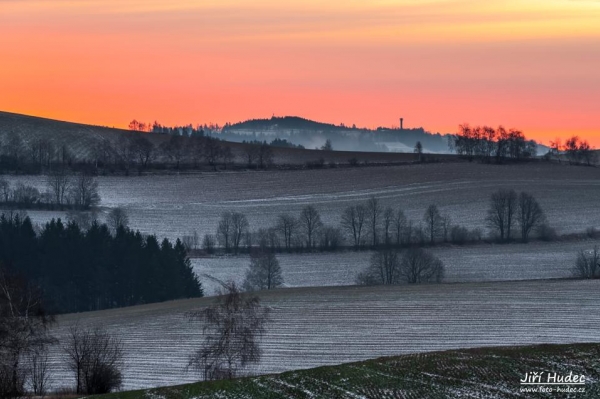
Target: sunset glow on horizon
[{"x": 533, "y": 65}]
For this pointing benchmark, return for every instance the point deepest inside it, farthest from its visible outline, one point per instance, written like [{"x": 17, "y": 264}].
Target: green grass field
[{"x": 476, "y": 373}]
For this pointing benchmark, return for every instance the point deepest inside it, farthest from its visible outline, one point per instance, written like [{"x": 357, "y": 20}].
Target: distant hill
[
  {"x": 285, "y": 122},
  {"x": 312, "y": 134},
  {"x": 82, "y": 143},
  {"x": 351, "y": 145}
]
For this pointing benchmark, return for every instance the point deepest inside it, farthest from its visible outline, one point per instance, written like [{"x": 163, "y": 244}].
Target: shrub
[
  {"x": 547, "y": 233},
  {"x": 587, "y": 264},
  {"x": 459, "y": 235}
]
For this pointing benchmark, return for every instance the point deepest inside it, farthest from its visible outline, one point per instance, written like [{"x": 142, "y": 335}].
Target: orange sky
[{"x": 531, "y": 64}]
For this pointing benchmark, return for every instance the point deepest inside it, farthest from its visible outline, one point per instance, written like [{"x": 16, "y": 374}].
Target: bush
[
  {"x": 547, "y": 233},
  {"x": 459, "y": 235},
  {"x": 95, "y": 357},
  {"x": 587, "y": 264},
  {"x": 476, "y": 234},
  {"x": 105, "y": 378}
]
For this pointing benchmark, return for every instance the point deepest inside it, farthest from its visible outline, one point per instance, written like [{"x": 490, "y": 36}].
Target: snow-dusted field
[
  {"x": 173, "y": 206},
  {"x": 463, "y": 264},
  {"x": 319, "y": 326}
]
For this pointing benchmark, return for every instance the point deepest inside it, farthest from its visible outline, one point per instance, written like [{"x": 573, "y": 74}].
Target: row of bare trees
[
  {"x": 413, "y": 266},
  {"x": 372, "y": 225},
  {"x": 134, "y": 150},
  {"x": 487, "y": 143},
  {"x": 138, "y": 151},
  {"x": 368, "y": 224},
  {"x": 38, "y": 152},
  {"x": 578, "y": 151},
  {"x": 63, "y": 190},
  {"x": 305, "y": 231}
]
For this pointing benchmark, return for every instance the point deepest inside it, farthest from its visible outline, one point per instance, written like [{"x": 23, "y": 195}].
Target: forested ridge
[{"x": 81, "y": 270}]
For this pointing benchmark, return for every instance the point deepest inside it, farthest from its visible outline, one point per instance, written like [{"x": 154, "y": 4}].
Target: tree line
[
  {"x": 371, "y": 225},
  {"x": 487, "y": 143},
  {"x": 83, "y": 270},
  {"x": 127, "y": 152},
  {"x": 577, "y": 151},
  {"x": 63, "y": 191}
]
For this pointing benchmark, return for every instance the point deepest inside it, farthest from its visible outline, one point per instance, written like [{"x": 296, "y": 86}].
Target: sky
[{"x": 529, "y": 64}]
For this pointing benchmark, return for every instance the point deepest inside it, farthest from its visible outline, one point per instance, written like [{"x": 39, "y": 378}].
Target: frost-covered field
[
  {"x": 319, "y": 326},
  {"x": 463, "y": 264},
  {"x": 173, "y": 206}
]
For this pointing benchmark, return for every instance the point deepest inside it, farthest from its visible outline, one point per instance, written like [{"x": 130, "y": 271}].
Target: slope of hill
[
  {"x": 80, "y": 138},
  {"x": 321, "y": 326},
  {"x": 83, "y": 140},
  {"x": 488, "y": 372},
  {"x": 313, "y": 134}
]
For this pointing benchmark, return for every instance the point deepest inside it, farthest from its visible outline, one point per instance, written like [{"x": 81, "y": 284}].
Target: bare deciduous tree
[
  {"x": 264, "y": 272},
  {"x": 58, "y": 182},
  {"x": 225, "y": 230},
  {"x": 373, "y": 213},
  {"x": 330, "y": 237},
  {"x": 251, "y": 151},
  {"x": 39, "y": 371},
  {"x": 143, "y": 149},
  {"x": 232, "y": 329},
  {"x": 124, "y": 151},
  {"x": 400, "y": 226},
  {"x": 419, "y": 266},
  {"x": 587, "y": 264},
  {"x": 175, "y": 149},
  {"x": 503, "y": 206},
  {"x": 310, "y": 221},
  {"x": 286, "y": 225},
  {"x": 530, "y": 214},
  {"x": 433, "y": 222},
  {"x": 117, "y": 217},
  {"x": 384, "y": 269},
  {"x": 353, "y": 219},
  {"x": 265, "y": 156},
  {"x": 212, "y": 151},
  {"x": 96, "y": 359},
  {"x": 239, "y": 227},
  {"x": 84, "y": 191}
]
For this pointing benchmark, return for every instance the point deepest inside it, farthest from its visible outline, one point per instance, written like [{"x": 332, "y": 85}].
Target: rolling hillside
[
  {"x": 313, "y": 134},
  {"x": 320, "y": 326},
  {"x": 81, "y": 140},
  {"x": 475, "y": 373}
]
